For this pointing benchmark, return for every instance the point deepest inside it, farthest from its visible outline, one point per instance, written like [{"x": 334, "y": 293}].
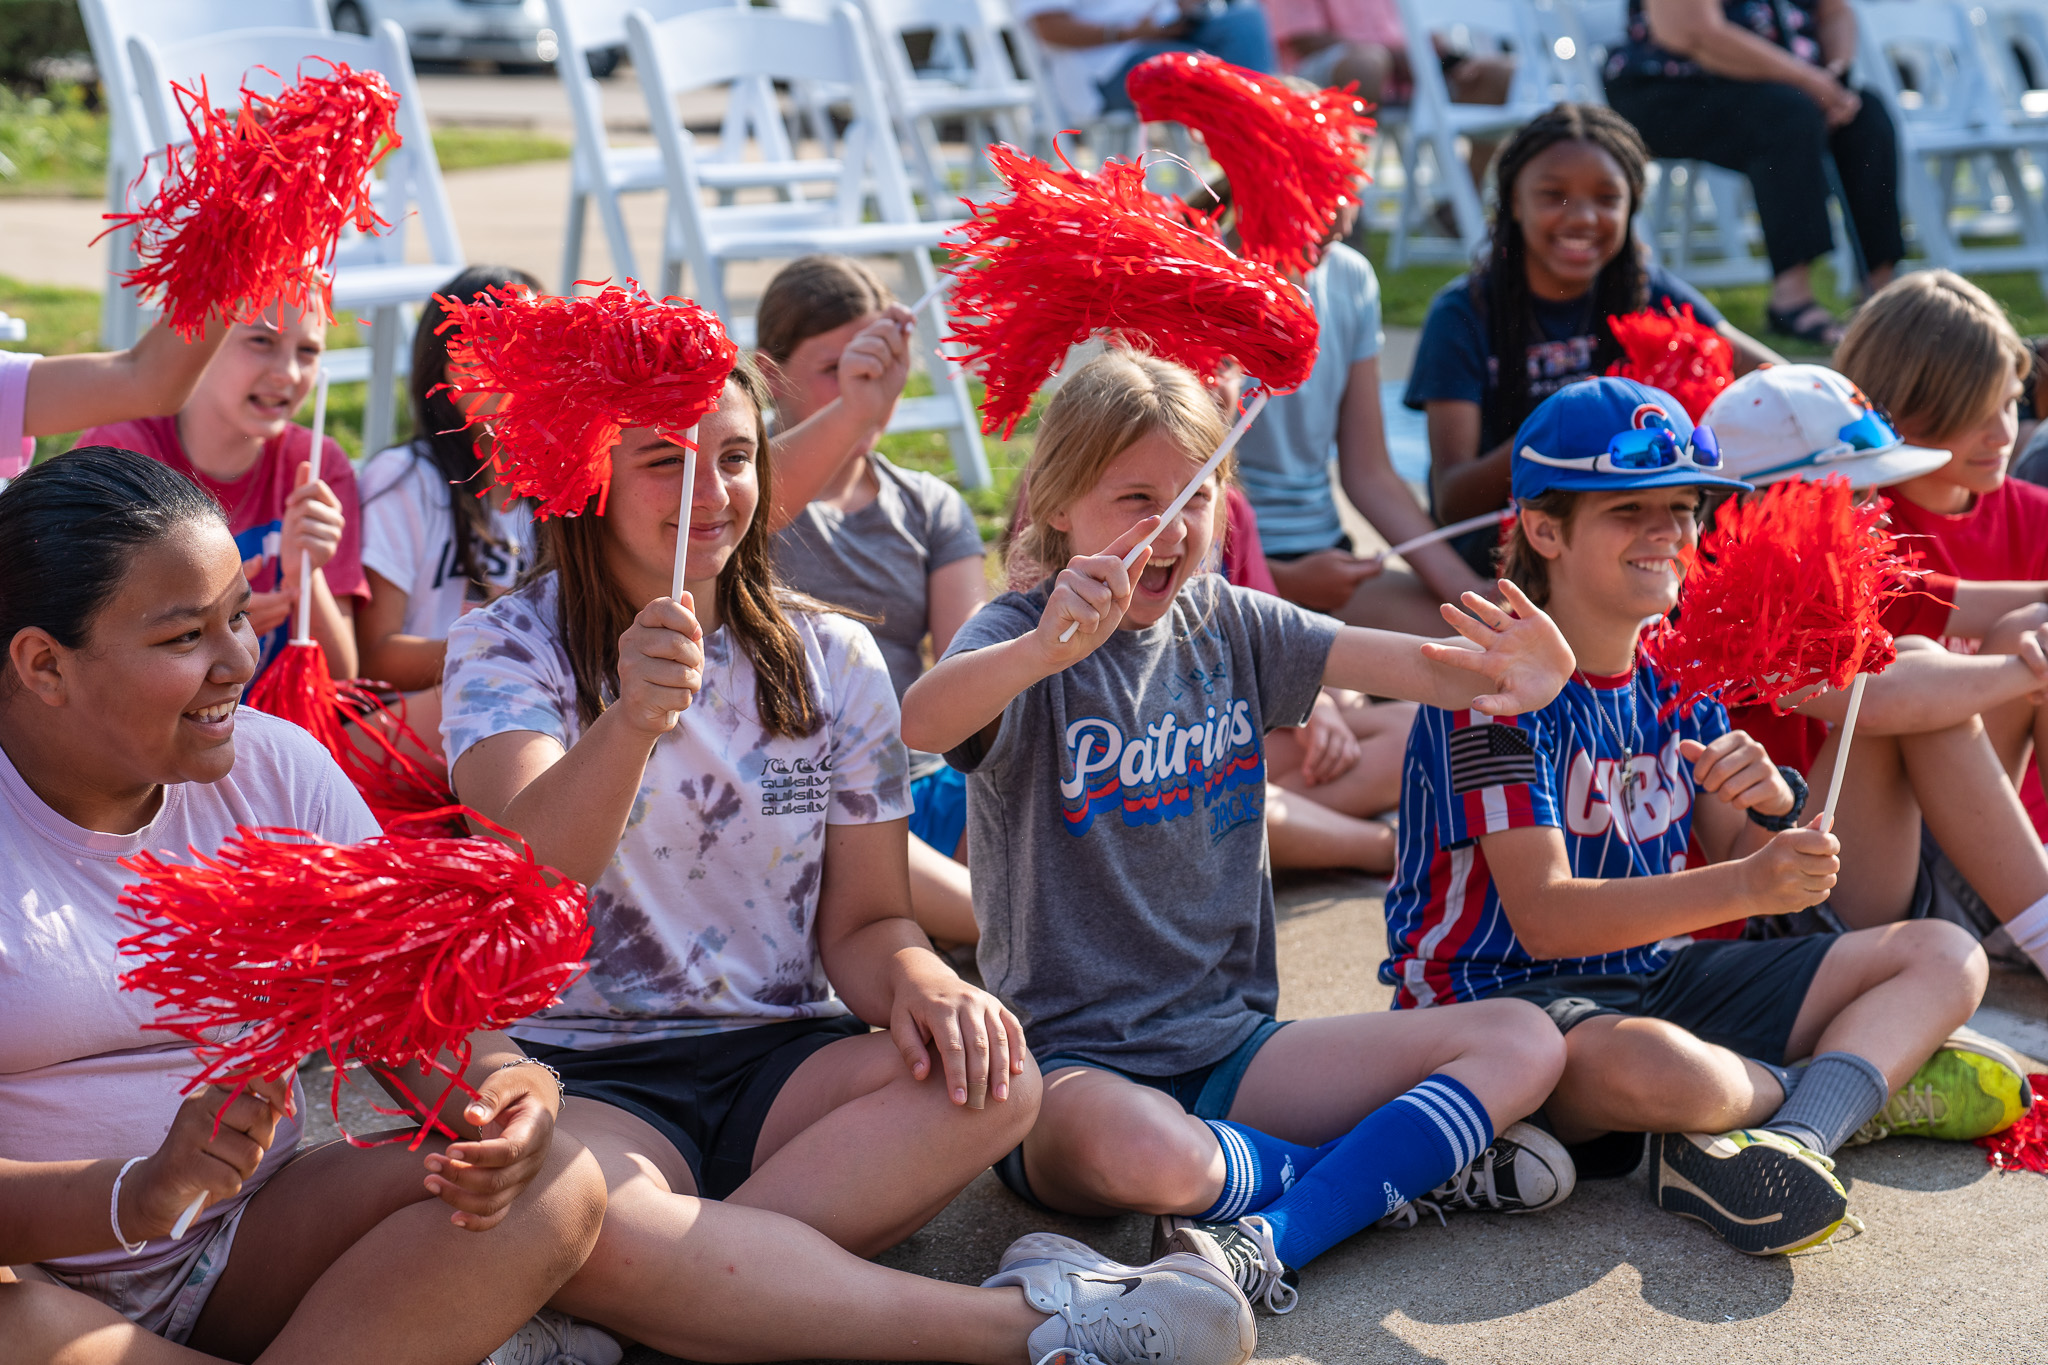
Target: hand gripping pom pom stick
[
  {"x": 1785, "y": 594},
  {"x": 1209, "y": 467},
  {"x": 353, "y": 721},
  {"x": 390, "y": 952},
  {"x": 1456, "y": 528}
]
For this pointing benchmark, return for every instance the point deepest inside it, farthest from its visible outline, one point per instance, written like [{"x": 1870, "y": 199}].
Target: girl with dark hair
[
  {"x": 438, "y": 538},
  {"x": 724, "y": 769},
  {"x": 1533, "y": 317},
  {"x": 285, "y": 501},
  {"x": 897, "y": 545},
  {"x": 124, "y": 610}
]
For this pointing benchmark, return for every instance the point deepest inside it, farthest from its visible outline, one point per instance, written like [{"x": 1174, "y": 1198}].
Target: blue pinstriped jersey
[{"x": 1568, "y": 766}]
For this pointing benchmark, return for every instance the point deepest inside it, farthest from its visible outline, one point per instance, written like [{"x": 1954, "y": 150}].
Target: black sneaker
[
  {"x": 1526, "y": 1170},
  {"x": 1761, "y": 1191},
  {"x": 1245, "y": 1247}
]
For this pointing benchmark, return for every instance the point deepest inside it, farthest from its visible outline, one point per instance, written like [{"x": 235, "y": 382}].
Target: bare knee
[
  {"x": 1517, "y": 1033},
  {"x": 564, "y": 1207},
  {"x": 1947, "y": 955},
  {"x": 1157, "y": 1164},
  {"x": 1657, "y": 1071}
]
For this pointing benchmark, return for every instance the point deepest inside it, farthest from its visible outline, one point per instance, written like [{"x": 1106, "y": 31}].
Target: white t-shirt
[
  {"x": 409, "y": 538},
  {"x": 17, "y": 451},
  {"x": 1077, "y": 73},
  {"x": 81, "y": 1076},
  {"x": 704, "y": 918}
]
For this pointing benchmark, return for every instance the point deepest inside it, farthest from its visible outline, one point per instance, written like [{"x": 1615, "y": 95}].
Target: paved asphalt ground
[{"x": 1953, "y": 1268}]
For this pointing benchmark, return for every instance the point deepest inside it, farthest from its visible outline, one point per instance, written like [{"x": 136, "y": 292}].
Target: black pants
[{"x": 1775, "y": 135}]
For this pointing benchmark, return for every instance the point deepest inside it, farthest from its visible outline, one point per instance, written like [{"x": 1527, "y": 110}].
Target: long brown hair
[{"x": 593, "y": 611}]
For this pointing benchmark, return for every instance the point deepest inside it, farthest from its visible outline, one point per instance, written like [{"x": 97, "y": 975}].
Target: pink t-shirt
[
  {"x": 255, "y": 502},
  {"x": 17, "y": 451},
  {"x": 1355, "y": 21},
  {"x": 81, "y": 1076}
]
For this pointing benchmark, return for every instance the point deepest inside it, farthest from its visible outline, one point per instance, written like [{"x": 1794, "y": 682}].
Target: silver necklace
[{"x": 1628, "y": 750}]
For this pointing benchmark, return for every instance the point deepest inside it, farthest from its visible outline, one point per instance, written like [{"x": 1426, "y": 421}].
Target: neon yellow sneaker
[
  {"x": 1762, "y": 1192},
  {"x": 1970, "y": 1088}
]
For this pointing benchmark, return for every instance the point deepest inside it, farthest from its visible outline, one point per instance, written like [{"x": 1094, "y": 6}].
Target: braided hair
[{"x": 1500, "y": 288}]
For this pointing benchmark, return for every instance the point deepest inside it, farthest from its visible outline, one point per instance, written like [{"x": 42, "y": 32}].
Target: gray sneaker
[
  {"x": 1526, "y": 1170},
  {"x": 551, "y": 1338},
  {"x": 1180, "y": 1310}
]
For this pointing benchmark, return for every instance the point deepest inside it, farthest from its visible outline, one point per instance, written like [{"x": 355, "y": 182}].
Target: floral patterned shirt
[{"x": 1640, "y": 55}]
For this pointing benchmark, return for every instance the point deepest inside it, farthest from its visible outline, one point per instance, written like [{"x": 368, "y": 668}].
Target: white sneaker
[
  {"x": 551, "y": 1338},
  {"x": 1179, "y": 1310}
]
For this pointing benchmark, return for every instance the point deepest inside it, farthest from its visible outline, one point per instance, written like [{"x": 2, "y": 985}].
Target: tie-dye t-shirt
[{"x": 704, "y": 918}]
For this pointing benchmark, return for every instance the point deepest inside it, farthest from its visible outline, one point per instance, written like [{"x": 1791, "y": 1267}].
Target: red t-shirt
[{"x": 255, "y": 502}]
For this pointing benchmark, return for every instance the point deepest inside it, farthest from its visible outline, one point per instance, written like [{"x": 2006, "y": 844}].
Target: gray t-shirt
[
  {"x": 1283, "y": 460},
  {"x": 877, "y": 560},
  {"x": 1118, "y": 827}
]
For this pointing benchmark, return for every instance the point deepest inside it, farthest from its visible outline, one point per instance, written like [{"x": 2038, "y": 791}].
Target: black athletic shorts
[
  {"x": 1740, "y": 995},
  {"x": 708, "y": 1094}
]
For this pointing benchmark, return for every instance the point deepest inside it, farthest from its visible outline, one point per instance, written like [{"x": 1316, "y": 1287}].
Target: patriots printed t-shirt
[
  {"x": 1117, "y": 827},
  {"x": 704, "y": 918},
  {"x": 1597, "y": 763}
]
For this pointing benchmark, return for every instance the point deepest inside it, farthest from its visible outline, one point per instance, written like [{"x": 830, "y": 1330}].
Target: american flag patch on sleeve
[{"x": 1490, "y": 756}]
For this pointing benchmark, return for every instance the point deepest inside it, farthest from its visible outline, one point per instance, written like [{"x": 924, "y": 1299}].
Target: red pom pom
[
  {"x": 1785, "y": 593},
  {"x": 574, "y": 373},
  {"x": 249, "y": 215},
  {"x": 389, "y": 763},
  {"x": 1293, "y": 159},
  {"x": 390, "y": 951},
  {"x": 2024, "y": 1146},
  {"x": 1068, "y": 255},
  {"x": 1676, "y": 352}
]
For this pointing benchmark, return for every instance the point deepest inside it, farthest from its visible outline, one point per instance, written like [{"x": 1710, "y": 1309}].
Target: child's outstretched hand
[
  {"x": 1091, "y": 594},
  {"x": 1520, "y": 650}
]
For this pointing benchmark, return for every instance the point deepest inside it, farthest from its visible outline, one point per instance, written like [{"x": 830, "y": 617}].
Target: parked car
[{"x": 511, "y": 32}]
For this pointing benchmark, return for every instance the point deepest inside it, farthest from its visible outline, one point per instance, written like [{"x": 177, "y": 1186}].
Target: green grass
[
  {"x": 462, "y": 148},
  {"x": 53, "y": 145}
]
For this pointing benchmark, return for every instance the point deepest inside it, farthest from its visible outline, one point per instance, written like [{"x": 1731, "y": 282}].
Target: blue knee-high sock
[
  {"x": 1397, "y": 1152},
  {"x": 1257, "y": 1169}
]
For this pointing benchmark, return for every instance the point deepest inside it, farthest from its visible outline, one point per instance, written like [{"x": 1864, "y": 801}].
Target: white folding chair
[
  {"x": 371, "y": 275},
  {"x": 970, "y": 77},
  {"x": 867, "y": 213},
  {"x": 109, "y": 24},
  {"x": 1953, "y": 122},
  {"x": 1435, "y": 122},
  {"x": 602, "y": 172}
]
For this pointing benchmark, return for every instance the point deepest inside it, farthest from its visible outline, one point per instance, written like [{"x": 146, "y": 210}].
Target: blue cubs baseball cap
[{"x": 1609, "y": 433}]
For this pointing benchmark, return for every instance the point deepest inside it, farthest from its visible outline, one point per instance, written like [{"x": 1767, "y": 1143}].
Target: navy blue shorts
[
  {"x": 1744, "y": 996},
  {"x": 1207, "y": 1092},
  {"x": 938, "y": 810}
]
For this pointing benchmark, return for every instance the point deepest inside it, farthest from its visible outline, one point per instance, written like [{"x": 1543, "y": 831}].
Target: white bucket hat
[{"x": 1807, "y": 422}]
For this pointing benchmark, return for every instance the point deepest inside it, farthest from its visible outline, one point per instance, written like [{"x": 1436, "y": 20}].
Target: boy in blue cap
[{"x": 1575, "y": 856}]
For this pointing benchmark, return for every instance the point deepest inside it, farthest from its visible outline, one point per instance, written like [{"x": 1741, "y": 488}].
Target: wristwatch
[{"x": 1797, "y": 782}]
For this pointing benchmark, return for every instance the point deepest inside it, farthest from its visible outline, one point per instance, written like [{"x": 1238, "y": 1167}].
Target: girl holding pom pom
[
  {"x": 125, "y": 612},
  {"x": 895, "y": 544},
  {"x": 1570, "y": 856},
  {"x": 1115, "y": 794},
  {"x": 724, "y": 768},
  {"x": 235, "y": 438},
  {"x": 1533, "y": 317}
]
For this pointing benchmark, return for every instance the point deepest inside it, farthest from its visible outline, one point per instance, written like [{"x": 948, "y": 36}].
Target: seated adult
[
  {"x": 1091, "y": 45},
  {"x": 1763, "y": 89}
]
